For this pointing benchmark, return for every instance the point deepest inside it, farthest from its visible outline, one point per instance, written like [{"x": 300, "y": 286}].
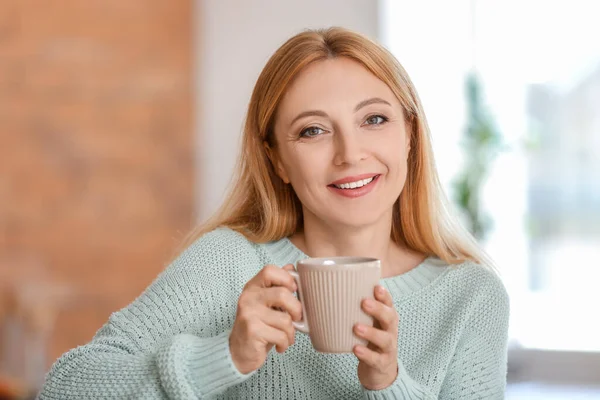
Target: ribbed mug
[{"x": 331, "y": 290}]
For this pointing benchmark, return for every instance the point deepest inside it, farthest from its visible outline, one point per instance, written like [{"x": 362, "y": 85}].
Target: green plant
[{"x": 481, "y": 143}]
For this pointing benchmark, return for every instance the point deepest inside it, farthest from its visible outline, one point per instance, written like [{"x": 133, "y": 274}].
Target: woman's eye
[
  {"x": 311, "y": 132},
  {"x": 376, "y": 120}
]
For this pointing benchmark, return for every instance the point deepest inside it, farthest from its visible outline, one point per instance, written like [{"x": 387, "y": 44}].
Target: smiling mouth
[{"x": 357, "y": 184}]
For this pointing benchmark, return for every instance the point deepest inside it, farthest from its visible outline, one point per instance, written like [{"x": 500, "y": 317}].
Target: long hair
[{"x": 263, "y": 208}]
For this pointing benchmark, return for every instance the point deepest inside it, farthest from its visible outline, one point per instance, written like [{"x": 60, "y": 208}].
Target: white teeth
[{"x": 353, "y": 185}]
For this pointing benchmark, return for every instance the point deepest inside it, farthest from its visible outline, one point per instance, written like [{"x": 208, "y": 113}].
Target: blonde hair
[{"x": 264, "y": 208}]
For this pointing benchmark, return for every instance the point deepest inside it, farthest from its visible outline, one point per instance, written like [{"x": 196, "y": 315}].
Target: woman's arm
[
  {"x": 184, "y": 367},
  {"x": 171, "y": 342},
  {"x": 380, "y": 360},
  {"x": 478, "y": 368}
]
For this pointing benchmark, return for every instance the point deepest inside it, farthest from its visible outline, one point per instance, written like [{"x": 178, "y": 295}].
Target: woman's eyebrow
[
  {"x": 309, "y": 113},
  {"x": 373, "y": 100},
  {"x": 319, "y": 113}
]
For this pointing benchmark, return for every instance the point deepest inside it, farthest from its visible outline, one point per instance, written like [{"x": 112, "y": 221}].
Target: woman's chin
[{"x": 354, "y": 221}]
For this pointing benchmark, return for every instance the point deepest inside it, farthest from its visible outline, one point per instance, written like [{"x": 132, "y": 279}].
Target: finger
[
  {"x": 280, "y": 320},
  {"x": 384, "y": 296},
  {"x": 291, "y": 268},
  {"x": 370, "y": 357},
  {"x": 275, "y": 337},
  {"x": 384, "y": 340},
  {"x": 385, "y": 315},
  {"x": 272, "y": 275},
  {"x": 282, "y": 298}
]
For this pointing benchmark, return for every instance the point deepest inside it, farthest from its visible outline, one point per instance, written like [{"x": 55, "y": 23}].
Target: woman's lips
[{"x": 357, "y": 191}]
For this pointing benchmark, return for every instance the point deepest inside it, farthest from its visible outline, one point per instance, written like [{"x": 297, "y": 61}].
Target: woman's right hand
[{"x": 264, "y": 317}]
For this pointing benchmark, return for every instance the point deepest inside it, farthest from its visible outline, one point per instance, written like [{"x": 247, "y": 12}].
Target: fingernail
[
  {"x": 369, "y": 303},
  {"x": 360, "y": 329},
  {"x": 358, "y": 350}
]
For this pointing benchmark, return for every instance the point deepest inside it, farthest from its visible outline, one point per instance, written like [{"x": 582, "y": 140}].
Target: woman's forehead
[{"x": 333, "y": 83}]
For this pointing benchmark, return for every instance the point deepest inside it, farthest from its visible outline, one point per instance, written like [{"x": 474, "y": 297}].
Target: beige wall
[{"x": 235, "y": 39}]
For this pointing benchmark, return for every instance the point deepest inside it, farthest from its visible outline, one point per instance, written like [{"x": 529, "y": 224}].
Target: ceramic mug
[{"x": 331, "y": 291}]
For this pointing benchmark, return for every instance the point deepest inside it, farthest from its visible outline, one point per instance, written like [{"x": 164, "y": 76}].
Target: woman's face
[{"x": 342, "y": 143}]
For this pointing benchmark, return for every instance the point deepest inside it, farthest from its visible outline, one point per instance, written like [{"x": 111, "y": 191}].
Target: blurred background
[{"x": 120, "y": 124}]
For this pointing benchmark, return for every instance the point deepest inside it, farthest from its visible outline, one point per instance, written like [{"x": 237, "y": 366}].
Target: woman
[{"x": 336, "y": 160}]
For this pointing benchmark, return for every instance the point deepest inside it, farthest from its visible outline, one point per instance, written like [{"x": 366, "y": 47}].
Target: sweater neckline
[{"x": 399, "y": 285}]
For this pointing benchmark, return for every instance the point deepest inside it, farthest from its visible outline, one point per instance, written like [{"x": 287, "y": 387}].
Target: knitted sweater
[{"x": 172, "y": 341}]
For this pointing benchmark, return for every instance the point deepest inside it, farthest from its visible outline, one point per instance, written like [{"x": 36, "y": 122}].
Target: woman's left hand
[{"x": 378, "y": 362}]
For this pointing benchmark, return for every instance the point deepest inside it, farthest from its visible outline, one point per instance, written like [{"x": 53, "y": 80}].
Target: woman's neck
[{"x": 320, "y": 240}]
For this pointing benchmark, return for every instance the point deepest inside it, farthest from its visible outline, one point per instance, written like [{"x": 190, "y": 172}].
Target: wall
[{"x": 96, "y": 154}]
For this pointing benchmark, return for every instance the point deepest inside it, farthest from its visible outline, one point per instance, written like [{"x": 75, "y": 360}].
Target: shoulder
[
  {"x": 221, "y": 244},
  {"x": 478, "y": 287},
  {"x": 476, "y": 278},
  {"x": 202, "y": 281},
  {"x": 222, "y": 251},
  {"x": 222, "y": 236}
]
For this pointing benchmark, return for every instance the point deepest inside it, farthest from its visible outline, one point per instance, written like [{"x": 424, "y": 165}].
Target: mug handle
[{"x": 301, "y": 326}]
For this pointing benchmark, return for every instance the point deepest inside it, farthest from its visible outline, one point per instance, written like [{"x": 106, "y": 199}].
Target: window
[{"x": 539, "y": 62}]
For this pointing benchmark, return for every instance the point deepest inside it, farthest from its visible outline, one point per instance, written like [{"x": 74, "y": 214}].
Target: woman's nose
[{"x": 349, "y": 148}]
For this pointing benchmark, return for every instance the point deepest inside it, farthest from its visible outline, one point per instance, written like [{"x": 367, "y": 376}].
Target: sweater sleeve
[
  {"x": 170, "y": 343},
  {"x": 403, "y": 388},
  {"x": 478, "y": 368}
]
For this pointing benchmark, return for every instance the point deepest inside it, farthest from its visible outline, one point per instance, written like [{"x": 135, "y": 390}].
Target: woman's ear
[
  {"x": 276, "y": 162},
  {"x": 409, "y": 132}
]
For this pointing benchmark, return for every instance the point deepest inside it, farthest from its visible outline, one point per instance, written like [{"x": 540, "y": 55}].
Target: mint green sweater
[{"x": 172, "y": 341}]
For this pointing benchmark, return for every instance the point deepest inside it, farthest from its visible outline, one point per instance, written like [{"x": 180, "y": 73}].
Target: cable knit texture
[{"x": 172, "y": 341}]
